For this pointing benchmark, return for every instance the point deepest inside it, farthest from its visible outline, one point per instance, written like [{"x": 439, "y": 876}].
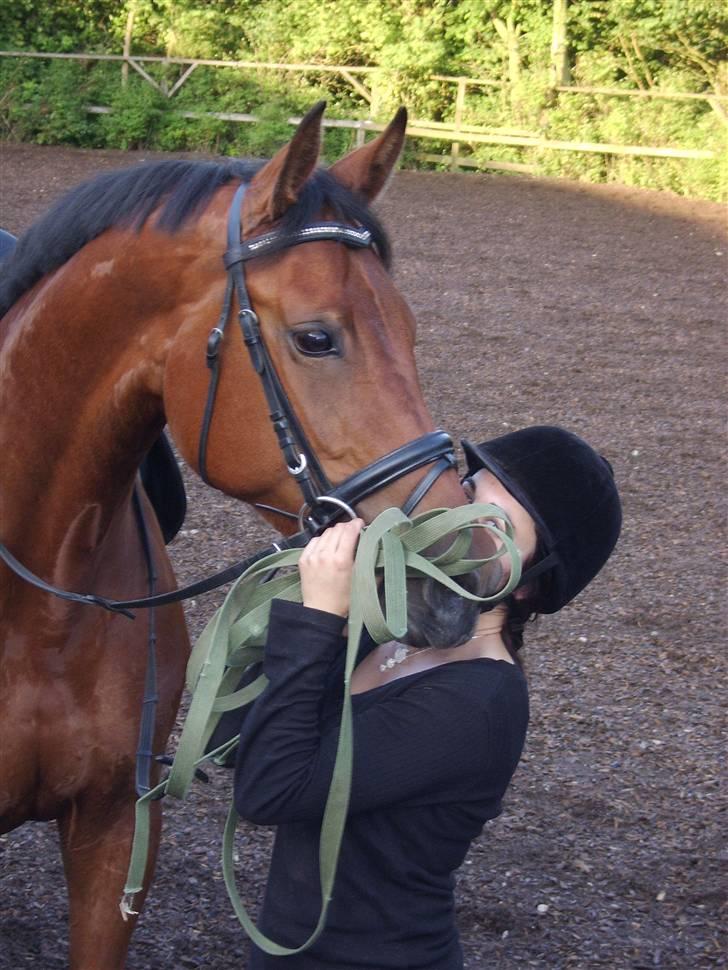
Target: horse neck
[{"x": 79, "y": 406}]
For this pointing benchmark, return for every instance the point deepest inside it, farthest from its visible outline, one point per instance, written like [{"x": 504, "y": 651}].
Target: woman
[{"x": 438, "y": 725}]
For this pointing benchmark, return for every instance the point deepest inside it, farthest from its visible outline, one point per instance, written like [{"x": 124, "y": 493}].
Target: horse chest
[{"x": 53, "y": 747}]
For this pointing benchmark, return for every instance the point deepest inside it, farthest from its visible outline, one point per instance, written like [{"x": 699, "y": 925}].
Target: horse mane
[{"x": 126, "y": 198}]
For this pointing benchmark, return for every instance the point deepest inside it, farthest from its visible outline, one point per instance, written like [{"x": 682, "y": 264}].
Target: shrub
[
  {"x": 46, "y": 103},
  {"x": 135, "y": 118}
]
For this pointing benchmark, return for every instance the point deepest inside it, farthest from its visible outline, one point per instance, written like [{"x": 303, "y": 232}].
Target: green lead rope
[{"x": 393, "y": 547}]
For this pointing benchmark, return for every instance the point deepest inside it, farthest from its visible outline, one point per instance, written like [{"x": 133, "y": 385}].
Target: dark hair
[
  {"x": 525, "y": 608},
  {"x": 181, "y": 189},
  {"x": 519, "y": 613}
]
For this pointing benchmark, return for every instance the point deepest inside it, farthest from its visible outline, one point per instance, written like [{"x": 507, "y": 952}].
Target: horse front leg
[{"x": 96, "y": 846}]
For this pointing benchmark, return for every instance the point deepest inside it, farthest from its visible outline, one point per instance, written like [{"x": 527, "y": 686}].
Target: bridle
[{"x": 323, "y": 503}]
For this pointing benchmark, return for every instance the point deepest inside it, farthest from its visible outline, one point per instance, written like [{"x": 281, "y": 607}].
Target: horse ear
[
  {"x": 367, "y": 169},
  {"x": 276, "y": 186}
]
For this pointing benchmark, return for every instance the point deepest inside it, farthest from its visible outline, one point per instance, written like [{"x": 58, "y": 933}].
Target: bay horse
[{"x": 106, "y": 308}]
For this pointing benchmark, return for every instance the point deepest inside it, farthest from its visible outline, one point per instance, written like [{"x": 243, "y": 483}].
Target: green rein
[{"x": 393, "y": 547}]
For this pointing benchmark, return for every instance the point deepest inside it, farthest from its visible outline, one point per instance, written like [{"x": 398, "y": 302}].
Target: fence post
[
  {"x": 459, "y": 108},
  {"x": 127, "y": 43},
  {"x": 560, "y": 74}
]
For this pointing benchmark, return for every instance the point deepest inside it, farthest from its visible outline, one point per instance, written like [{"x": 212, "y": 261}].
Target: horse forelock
[{"x": 180, "y": 190}]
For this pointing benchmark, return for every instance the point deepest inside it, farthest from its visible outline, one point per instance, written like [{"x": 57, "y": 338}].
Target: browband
[{"x": 273, "y": 242}]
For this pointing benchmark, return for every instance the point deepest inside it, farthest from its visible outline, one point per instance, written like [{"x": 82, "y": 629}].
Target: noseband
[{"x": 323, "y": 503}]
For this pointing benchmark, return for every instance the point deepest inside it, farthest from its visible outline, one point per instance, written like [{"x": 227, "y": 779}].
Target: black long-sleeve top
[{"x": 433, "y": 754}]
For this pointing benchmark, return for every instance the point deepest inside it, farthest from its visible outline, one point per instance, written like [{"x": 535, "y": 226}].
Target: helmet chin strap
[{"x": 544, "y": 565}]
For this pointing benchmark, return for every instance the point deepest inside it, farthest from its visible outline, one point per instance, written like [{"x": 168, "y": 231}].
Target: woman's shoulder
[
  {"x": 478, "y": 680},
  {"x": 475, "y": 710},
  {"x": 481, "y": 677}
]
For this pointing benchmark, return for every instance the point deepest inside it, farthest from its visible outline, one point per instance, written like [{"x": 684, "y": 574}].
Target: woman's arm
[
  {"x": 326, "y": 567},
  {"x": 428, "y": 741}
]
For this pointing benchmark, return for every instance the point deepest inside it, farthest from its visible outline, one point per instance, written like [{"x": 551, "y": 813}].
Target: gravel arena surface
[{"x": 601, "y": 308}]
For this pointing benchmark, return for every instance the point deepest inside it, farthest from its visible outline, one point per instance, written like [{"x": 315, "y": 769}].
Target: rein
[
  {"x": 391, "y": 549},
  {"x": 434, "y": 447}
]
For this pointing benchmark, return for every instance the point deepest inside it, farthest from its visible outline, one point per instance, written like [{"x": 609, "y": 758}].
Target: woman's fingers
[
  {"x": 326, "y": 566},
  {"x": 308, "y": 551},
  {"x": 339, "y": 538},
  {"x": 349, "y": 536}
]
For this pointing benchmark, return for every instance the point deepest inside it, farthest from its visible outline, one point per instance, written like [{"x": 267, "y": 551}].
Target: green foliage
[
  {"x": 46, "y": 105},
  {"x": 266, "y": 138},
  {"x": 135, "y": 118},
  {"x": 54, "y": 25},
  {"x": 668, "y": 45}
]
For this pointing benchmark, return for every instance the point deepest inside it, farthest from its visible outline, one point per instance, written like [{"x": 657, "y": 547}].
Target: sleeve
[{"x": 425, "y": 743}]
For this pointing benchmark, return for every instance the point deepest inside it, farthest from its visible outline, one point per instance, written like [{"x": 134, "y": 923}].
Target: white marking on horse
[{"x": 104, "y": 268}]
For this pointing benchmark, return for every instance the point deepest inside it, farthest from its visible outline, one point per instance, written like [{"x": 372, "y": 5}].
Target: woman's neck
[
  {"x": 392, "y": 660},
  {"x": 492, "y": 622},
  {"x": 487, "y": 638}
]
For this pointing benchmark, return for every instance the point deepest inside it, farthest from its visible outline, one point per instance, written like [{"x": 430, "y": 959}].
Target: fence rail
[{"x": 457, "y": 133}]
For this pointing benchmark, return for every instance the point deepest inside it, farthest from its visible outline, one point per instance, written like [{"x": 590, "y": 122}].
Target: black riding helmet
[{"x": 569, "y": 490}]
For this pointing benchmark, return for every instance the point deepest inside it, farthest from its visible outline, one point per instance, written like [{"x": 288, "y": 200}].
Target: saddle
[
  {"x": 162, "y": 481},
  {"x": 7, "y": 243},
  {"x": 160, "y": 474}
]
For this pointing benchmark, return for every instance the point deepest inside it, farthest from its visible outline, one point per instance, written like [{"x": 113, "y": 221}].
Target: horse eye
[{"x": 314, "y": 342}]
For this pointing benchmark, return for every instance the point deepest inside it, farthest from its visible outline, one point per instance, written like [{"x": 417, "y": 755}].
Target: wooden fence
[{"x": 363, "y": 82}]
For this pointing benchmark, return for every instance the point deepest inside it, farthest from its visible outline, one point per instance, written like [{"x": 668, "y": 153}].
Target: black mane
[{"x": 127, "y": 198}]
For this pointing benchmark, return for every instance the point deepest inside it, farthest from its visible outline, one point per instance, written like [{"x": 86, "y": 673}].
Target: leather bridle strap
[
  {"x": 300, "y": 458},
  {"x": 212, "y": 357},
  {"x": 441, "y": 465},
  {"x": 124, "y": 607},
  {"x": 436, "y": 447},
  {"x": 87, "y": 599}
]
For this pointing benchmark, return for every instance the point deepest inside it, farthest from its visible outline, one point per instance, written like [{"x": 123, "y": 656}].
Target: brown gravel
[{"x": 600, "y": 308}]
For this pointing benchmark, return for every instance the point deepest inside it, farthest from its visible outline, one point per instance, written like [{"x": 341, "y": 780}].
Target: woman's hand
[{"x": 326, "y": 567}]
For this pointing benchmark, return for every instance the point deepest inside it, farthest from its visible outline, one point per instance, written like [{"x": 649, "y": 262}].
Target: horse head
[{"x": 337, "y": 332}]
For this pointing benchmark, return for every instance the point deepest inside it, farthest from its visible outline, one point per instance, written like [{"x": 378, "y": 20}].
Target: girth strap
[{"x": 147, "y": 724}]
